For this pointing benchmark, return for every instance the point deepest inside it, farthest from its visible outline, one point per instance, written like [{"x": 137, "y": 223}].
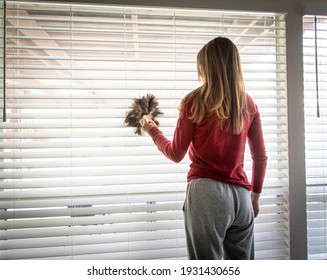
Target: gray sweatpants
[{"x": 218, "y": 221}]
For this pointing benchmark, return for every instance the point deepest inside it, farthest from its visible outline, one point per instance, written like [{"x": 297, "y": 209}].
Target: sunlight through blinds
[
  {"x": 315, "y": 85},
  {"x": 75, "y": 182}
]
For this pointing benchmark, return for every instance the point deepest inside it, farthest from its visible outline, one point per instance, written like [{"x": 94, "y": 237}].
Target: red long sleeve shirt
[{"x": 216, "y": 154}]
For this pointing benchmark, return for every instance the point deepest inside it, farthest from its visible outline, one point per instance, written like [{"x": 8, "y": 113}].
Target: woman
[{"x": 214, "y": 123}]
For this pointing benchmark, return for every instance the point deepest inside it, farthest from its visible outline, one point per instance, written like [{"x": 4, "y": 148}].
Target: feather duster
[{"x": 147, "y": 105}]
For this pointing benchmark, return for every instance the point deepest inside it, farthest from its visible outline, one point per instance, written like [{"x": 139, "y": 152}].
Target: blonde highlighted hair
[{"x": 222, "y": 92}]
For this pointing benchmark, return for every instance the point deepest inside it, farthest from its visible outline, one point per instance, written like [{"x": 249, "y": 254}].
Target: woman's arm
[
  {"x": 258, "y": 153},
  {"x": 176, "y": 149}
]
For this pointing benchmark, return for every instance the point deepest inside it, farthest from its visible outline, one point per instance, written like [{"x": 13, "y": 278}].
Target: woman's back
[{"x": 218, "y": 154}]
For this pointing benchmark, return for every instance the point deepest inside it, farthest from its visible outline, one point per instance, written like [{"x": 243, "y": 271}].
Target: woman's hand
[
  {"x": 147, "y": 123},
  {"x": 255, "y": 203}
]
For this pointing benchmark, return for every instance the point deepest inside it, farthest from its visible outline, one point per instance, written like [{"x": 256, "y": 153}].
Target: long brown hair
[{"x": 222, "y": 92}]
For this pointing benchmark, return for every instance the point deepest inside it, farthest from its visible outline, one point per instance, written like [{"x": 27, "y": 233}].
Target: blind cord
[
  {"x": 316, "y": 69},
  {"x": 4, "y": 117}
]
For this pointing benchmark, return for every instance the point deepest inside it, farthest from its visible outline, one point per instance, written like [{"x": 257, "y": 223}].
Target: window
[
  {"x": 76, "y": 183},
  {"x": 315, "y": 85}
]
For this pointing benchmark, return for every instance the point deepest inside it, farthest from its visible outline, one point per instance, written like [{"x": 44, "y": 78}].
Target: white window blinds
[
  {"x": 76, "y": 183},
  {"x": 315, "y": 84}
]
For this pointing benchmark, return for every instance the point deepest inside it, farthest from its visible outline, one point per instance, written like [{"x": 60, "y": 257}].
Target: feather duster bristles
[{"x": 147, "y": 105}]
